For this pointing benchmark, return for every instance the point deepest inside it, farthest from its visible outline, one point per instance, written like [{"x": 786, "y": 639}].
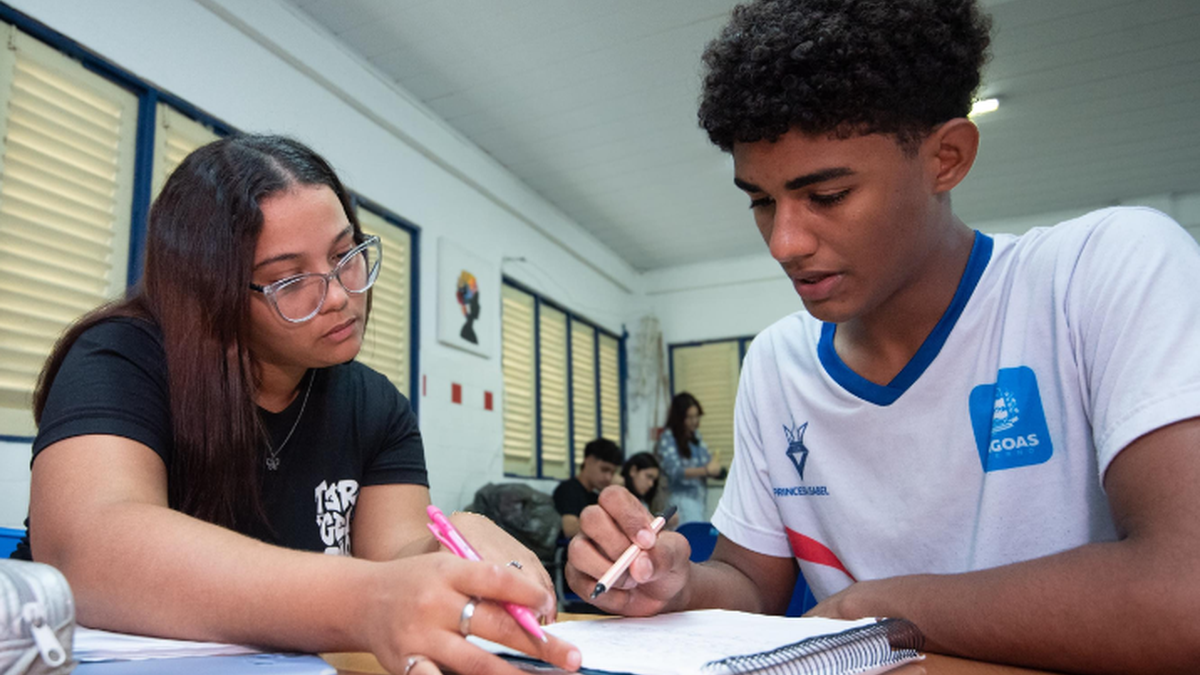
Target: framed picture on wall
[{"x": 468, "y": 294}]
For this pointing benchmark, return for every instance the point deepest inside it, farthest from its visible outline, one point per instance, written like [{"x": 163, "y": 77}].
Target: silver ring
[
  {"x": 464, "y": 619},
  {"x": 516, "y": 564},
  {"x": 412, "y": 661}
]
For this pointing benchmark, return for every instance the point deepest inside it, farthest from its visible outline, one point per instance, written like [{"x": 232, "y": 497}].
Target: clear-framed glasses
[{"x": 300, "y": 298}]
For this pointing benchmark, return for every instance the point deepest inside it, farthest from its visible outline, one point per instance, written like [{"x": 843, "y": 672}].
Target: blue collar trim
[{"x": 981, "y": 254}]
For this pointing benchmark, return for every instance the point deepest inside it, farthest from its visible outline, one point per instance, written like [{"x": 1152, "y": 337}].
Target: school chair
[
  {"x": 702, "y": 537},
  {"x": 8, "y": 540}
]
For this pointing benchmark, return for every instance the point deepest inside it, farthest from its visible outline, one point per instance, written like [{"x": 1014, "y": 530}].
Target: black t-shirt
[
  {"x": 571, "y": 497},
  {"x": 356, "y": 430}
]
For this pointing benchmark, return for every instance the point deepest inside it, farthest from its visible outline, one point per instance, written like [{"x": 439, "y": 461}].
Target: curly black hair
[{"x": 842, "y": 67}]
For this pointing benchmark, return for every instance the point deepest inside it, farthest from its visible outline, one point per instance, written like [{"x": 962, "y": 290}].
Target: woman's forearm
[{"x": 146, "y": 569}]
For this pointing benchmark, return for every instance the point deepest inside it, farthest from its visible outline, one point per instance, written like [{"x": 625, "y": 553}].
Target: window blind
[
  {"x": 176, "y": 137},
  {"x": 610, "y": 390},
  {"x": 583, "y": 386},
  {"x": 552, "y": 349},
  {"x": 710, "y": 373},
  {"x": 66, "y": 185},
  {"x": 517, "y": 364},
  {"x": 386, "y": 346}
]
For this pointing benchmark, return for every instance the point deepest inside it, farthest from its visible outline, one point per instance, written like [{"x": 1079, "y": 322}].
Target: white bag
[{"x": 37, "y": 619}]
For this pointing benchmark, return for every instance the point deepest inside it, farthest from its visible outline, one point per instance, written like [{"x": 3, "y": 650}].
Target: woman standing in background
[{"x": 686, "y": 460}]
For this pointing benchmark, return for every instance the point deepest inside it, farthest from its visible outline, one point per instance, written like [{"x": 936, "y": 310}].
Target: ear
[{"x": 951, "y": 151}]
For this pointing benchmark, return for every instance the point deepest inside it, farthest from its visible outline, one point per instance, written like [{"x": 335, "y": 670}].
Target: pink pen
[{"x": 444, "y": 530}]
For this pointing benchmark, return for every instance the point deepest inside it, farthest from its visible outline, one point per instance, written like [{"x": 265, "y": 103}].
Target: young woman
[
  {"x": 204, "y": 443},
  {"x": 686, "y": 460},
  {"x": 640, "y": 475}
]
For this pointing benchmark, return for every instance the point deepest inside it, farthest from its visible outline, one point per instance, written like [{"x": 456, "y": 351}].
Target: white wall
[
  {"x": 285, "y": 76},
  {"x": 14, "y": 483}
]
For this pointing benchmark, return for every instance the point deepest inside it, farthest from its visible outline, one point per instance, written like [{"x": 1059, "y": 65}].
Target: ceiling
[{"x": 593, "y": 105}]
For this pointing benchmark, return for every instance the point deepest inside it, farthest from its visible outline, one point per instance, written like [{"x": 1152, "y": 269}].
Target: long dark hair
[
  {"x": 199, "y": 256},
  {"x": 677, "y": 422},
  {"x": 640, "y": 462}
]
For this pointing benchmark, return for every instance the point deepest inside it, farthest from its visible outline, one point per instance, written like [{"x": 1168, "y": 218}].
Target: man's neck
[{"x": 879, "y": 344}]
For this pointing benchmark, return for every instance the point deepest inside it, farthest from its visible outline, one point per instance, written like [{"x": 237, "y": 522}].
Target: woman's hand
[
  {"x": 415, "y": 608},
  {"x": 495, "y": 545},
  {"x": 713, "y": 468}
]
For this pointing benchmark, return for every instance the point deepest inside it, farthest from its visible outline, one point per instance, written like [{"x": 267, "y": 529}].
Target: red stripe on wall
[
  {"x": 456, "y": 393},
  {"x": 487, "y": 400},
  {"x": 807, "y": 548}
]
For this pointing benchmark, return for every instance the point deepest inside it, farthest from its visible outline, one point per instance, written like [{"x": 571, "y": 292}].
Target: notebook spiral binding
[{"x": 883, "y": 643}]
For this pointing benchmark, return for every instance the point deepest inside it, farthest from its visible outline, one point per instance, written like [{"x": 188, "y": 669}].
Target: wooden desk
[{"x": 934, "y": 664}]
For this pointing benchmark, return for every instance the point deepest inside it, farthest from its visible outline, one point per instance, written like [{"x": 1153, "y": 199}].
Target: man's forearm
[
  {"x": 717, "y": 584},
  {"x": 1101, "y": 608}
]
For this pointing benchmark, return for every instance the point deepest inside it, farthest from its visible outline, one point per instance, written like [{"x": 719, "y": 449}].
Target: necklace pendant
[{"x": 273, "y": 463}]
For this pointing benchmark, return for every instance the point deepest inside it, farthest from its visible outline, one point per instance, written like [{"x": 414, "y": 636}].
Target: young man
[
  {"x": 601, "y": 459},
  {"x": 997, "y": 438}
]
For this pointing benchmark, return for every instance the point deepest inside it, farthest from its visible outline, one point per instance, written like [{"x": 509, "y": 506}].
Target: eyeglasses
[{"x": 300, "y": 298}]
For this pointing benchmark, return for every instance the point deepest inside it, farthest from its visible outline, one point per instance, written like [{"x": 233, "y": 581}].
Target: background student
[
  {"x": 994, "y": 437},
  {"x": 601, "y": 458},
  {"x": 212, "y": 464},
  {"x": 686, "y": 461},
  {"x": 641, "y": 475}
]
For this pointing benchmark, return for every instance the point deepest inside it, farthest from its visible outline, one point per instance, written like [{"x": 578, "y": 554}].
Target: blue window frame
[
  {"x": 564, "y": 385},
  {"x": 149, "y": 97}
]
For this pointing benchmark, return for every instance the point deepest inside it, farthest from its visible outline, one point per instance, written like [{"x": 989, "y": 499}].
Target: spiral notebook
[{"x": 722, "y": 642}]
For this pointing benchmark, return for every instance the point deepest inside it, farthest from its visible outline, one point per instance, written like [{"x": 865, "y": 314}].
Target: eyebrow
[
  {"x": 800, "y": 181},
  {"x": 292, "y": 256}
]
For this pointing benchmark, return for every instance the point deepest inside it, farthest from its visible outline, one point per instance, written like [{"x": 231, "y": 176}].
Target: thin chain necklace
[{"x": 273, "y": 458}]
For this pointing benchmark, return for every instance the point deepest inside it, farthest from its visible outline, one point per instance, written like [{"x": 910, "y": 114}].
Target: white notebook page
[{"x": 682, "y": 643}]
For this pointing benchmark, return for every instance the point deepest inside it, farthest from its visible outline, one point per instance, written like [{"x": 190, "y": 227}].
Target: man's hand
[
  {"x": 856, "y": 601},
  {"x": 659, "y": 574}
]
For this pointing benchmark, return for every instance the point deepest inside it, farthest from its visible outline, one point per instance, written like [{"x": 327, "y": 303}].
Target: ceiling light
[{"x": 984, "y": 106}]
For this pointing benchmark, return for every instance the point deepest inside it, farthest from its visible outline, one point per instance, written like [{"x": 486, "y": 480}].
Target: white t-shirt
[{"x": 1060, "y": 348}]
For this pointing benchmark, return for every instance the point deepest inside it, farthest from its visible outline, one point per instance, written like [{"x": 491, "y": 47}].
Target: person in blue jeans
[{"x": 686, "y": 461}]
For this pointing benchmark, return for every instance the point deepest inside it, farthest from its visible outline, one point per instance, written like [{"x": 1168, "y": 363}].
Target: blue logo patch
[{"x": 1009, "y": 422}]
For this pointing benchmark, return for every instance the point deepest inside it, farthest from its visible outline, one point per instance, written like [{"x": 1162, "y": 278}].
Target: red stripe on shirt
[{"x": 807, "y": 548}]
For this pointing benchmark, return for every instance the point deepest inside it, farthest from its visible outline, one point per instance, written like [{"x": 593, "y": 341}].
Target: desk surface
[{"x": 934, "y": 664}]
